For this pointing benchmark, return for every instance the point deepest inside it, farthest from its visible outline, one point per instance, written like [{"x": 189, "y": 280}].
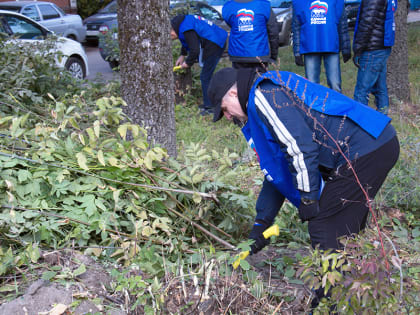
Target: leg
[
  {"x": 209, "y": 66},
  {"x": 343, "y": 204},
  {"x": 366, "y": 78},
  {"x": 333, "y": 71},
  {"x": 380, "y": 90},
  {"x": 312, "y": 67}
]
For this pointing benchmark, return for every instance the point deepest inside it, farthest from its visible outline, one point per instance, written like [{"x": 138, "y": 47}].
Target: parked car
[
  {"x": 108, "y": 40},
  {"x": 351, "y": 7},
  {"x": 93, "y": 22},
  {"x": 284, "y": 12},
  {"x": 27, "y": 31},
  {"x": 217, "y": 4},
  {"x": 50, "y": 16}
]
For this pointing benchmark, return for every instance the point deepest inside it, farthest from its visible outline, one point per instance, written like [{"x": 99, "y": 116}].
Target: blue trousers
[
  {"x": 209, "y": 65},
  {"x": 331, "y": 65},
  {"x": 371, "y": 78}
]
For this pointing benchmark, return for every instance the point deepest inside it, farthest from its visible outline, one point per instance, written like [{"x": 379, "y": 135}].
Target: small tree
[{"x": 146, "y": 68}]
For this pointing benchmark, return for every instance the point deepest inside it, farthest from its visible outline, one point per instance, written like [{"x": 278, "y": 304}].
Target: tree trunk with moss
[
  {"x": 397, "y": 76},
  {"x": 146, "y": 68}
]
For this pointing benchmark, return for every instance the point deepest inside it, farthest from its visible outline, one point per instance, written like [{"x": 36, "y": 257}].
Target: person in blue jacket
[
  {"x": 374, "y": 37},
  {"x": 202, "y": 41},
  {"x": 316, "y": 147},
  {"x": 320, "y": 32},
  {"x": 254, "y": 35},
  {"x": 306, "y": 136}
]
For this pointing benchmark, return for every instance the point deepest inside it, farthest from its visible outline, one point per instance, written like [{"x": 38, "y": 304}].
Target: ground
[{"x": 92, "y": 292}]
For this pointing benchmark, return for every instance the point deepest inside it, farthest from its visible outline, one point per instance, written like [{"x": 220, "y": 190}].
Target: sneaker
[{"x": 206, "y": 111}]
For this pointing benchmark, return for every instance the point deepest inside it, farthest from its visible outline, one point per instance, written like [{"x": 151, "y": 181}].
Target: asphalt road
[{"x": 99, "y": 69}]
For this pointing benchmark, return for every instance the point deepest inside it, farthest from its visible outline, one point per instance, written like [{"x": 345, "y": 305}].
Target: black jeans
[{"x": 343, "y": 206}]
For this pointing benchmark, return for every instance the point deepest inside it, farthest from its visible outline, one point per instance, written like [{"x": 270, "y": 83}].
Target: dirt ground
[{"x": 91, "y": 293}]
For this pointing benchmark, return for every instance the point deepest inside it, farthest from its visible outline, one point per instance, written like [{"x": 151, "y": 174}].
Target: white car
[
  {"x": 50, "y": 16},
  {"x": 27, "y": 31}
]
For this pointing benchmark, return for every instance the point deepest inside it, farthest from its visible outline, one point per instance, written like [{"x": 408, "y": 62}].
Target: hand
[
  {"x": 257, "y": 235},
  {"x": 299, "y": 61},
  {"x": 180, "y": 60},
  {"x": 184, "y": 65},
  {"x": 308, "y": 209},
  {"x": 356, "y": 60},
  {"x": 346, "y": 57}
]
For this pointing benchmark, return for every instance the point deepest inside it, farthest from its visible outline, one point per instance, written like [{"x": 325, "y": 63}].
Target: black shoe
[{"x": 206, "y": 111}]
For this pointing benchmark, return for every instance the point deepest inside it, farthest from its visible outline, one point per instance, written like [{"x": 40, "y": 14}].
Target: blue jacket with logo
[
  {"x": 375, "y": 25},
  {"x": 254, "y": 30},
  {"x": 296, "y": 126},
  {"x": 320, "y": 26},
  {"x": 204, "y": 28}
]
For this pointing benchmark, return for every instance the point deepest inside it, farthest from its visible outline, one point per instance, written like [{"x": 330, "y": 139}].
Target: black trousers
[{"x": 343, "y": 205}]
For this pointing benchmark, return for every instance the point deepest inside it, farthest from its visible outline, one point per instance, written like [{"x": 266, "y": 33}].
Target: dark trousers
[
  {"x": 343, "y": 205},
  {"x": 261, "y": 67},
  {"x": 209, "y": 65}
]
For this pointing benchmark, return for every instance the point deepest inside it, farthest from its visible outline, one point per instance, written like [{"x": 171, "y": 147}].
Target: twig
[
  {"x": 224, "y": 243},
  {"x": 399, "y": 267}
]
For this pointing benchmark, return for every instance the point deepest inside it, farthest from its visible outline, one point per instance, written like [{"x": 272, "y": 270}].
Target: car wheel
[
  {"x": 72, "y": 37},
  {"x": 76, "y": 68},
  {"x": 113, "y": 64}
]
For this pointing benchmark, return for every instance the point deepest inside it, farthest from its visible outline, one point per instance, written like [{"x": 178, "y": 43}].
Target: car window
[
  {"x": 31, "y": 12},
  {"x": 110, "y": 8},
  {"x": 48, "y": 12},
  {"x": 281, "y": 3},
  {"x": 209, "y": 13},
  {"x": 23, "y": 28}
]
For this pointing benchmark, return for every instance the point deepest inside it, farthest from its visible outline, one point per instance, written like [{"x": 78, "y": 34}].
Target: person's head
[
  {"x": 175, "y": 24},
  {"x": 223, "y": 94}
]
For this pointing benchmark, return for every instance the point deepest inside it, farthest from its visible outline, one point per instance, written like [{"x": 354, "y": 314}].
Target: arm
[
  {"x": 343, "y": 33},
  {"x": 269, "y": 203},
  {"x": 193, "y": 43},
  {"x": 366, "y": 22},
  {"x": 296, "y": 34},
  {"x": 273, "y": 35},
  {"x": 286, "y": 122}
]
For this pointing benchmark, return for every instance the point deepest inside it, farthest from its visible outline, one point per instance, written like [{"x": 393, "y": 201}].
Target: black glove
[
  {"x": 299, "y": 61},
  {"x": 257, "y": 235},
  {"x": 346, "y": 57},
  {"x": 308, "y": 209},
  {"x": 356, "y": 61}
]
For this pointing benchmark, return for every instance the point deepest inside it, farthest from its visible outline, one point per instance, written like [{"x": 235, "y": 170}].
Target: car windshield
[
  {"x": 281, "y": 3},
  {"x": 110, "y": 8}
]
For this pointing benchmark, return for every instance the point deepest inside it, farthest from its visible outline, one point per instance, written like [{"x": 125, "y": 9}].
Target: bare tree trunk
[
  {"x": 146, "y": 68},
  {"x": 397, "y": 76}
]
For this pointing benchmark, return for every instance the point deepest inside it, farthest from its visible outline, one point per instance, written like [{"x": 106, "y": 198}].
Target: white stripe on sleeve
[{"x": 287, "y": 139}]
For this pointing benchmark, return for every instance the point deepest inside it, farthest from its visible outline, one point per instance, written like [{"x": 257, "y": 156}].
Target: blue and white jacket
[{"x": 296, "y": 126}]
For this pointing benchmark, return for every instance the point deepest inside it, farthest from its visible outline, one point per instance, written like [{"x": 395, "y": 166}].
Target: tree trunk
[
  {"x": 146, "y": 68},
  {"x": 397, "y": 75}
]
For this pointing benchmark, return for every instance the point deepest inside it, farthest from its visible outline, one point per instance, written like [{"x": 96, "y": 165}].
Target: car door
[
  {"x": 31, "y": 11},
  {"x": 51, "y": 18}
]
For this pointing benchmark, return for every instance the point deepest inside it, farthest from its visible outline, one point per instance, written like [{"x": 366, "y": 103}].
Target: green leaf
[
  {"x": 122, "y": 130},
  {"x": 245, "y": 265},
  {"x": 81, "y": 160},
  {"x": 48, "y": 275},
  {"x": 97, "y": 128},
  {"x": 80, "y": 270},
  {"x": 101, "y": 157}
]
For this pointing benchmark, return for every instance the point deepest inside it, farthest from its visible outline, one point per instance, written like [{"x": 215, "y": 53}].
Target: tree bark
[
  {"x": 146, "y": 68},
  {"x": 397, "y": 74}
]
